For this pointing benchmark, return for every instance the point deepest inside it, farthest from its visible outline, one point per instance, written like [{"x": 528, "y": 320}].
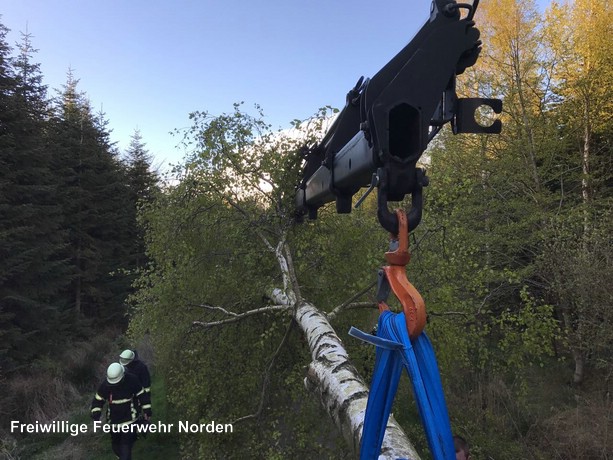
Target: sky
[{"x": 148, "y": 64}]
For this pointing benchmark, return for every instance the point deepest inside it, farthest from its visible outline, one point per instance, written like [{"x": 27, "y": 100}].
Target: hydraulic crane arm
[{"x": 389, "y": 119}]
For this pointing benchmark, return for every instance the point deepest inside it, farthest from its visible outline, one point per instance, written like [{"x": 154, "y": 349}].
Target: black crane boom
[{"x": 389, "y": 119}]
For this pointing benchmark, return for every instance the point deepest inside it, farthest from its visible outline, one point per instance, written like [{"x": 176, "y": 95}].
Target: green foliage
[
  {"x": 209, "y": 241},
  {"x": 576, "y": 267},
  {"x": 531, "y": 331}
]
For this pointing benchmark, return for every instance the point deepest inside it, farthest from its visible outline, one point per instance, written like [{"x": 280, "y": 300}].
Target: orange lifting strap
[{"x": 412, "y": 302}]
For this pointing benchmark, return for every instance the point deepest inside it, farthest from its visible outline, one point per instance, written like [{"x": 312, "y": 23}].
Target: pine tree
[
  {"x": 33, "y": 271},
  {"x": 143, "y": 184},
  {"x": 93, "y": 196},
  {"x": 143, "y": 180}
]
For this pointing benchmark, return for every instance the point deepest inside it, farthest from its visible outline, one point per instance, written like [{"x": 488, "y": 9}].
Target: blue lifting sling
[{"x": 395, "y": 350}]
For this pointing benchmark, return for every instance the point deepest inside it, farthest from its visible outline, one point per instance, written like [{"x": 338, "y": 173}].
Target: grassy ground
[{"x": 92, "y": 446}]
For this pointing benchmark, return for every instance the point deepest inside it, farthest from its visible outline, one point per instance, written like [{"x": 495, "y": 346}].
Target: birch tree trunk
[{"x": 340, "y": 388}]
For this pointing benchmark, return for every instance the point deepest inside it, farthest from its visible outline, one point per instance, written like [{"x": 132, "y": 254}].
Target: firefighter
[
  {"x": 119, "y": 390},
  {"x": 129, "y": 359}
]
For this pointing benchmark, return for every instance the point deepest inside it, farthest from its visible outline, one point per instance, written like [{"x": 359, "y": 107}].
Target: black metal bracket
[{"x": 464, "y": 120}]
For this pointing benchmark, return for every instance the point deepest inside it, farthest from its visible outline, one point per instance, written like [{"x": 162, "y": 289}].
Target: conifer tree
[
  {"x": 143, "y": 184},
  {"x": 33, "y": 271},
  {"x": 93, "y": 196},
  {"x": 142, "y": 178}
]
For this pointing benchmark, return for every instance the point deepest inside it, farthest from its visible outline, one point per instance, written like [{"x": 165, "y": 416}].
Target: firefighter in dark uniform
[
  {"x": 129, "y": 359},
  {"x": 119, "y": 390}
]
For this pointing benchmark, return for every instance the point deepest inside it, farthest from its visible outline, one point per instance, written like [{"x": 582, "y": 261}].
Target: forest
[
  {"x": 208, "y": 268},
  {"x": 70, "y": 243}
]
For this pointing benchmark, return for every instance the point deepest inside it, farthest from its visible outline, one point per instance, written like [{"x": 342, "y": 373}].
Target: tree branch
[
  {"x": 345, "y": 305},
  {"x": 234, "y": 317}
]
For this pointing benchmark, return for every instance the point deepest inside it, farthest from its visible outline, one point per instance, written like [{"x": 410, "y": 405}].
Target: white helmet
[
  {"x": 126, "y": 357},
  {"x": 114, "y": 373}
]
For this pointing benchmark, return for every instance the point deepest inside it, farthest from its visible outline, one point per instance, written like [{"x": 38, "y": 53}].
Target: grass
[{"x": 158, "y": 445}]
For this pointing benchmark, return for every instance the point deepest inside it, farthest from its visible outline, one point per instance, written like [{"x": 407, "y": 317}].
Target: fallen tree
[{"x": 330, "y": 376}]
